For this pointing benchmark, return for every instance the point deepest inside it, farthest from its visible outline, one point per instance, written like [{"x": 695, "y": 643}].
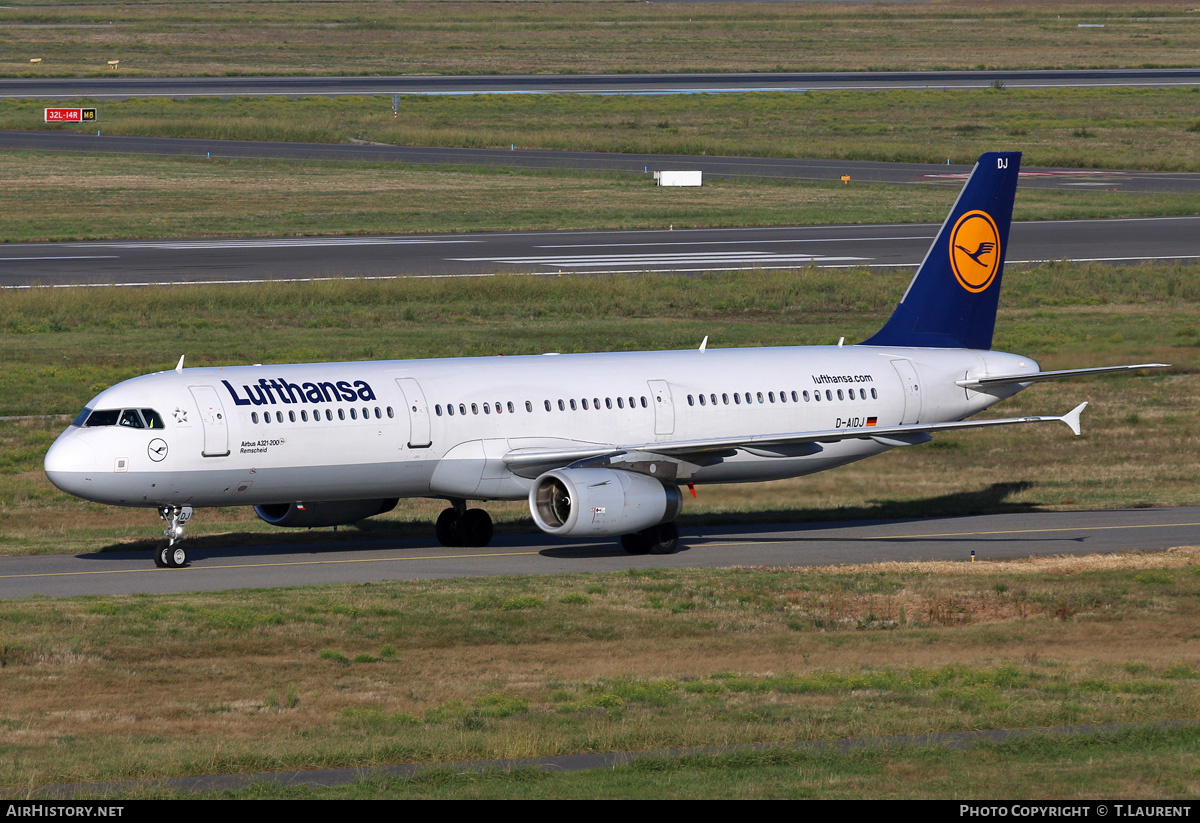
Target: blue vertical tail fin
[{"x": 951, "y": 302}]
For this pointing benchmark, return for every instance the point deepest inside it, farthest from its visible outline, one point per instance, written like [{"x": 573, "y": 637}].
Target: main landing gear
[
  {"x": 660, "y": 539},
  {"x": 169, "y": 554},
  {"x": 460, "y": 526}
]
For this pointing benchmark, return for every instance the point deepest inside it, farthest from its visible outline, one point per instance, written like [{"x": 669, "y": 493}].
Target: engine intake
[
  {"x": 601, "y": 502},
  {"x": 330, "y": 513}
]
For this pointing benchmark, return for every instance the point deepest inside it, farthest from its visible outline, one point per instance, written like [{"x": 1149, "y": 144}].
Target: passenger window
[
  {"x": 874, "y": 395},
  {"x": 510, "y": 407},
  {"x": 828, "y": 395},
  {"x": 840, "y": 397},
  {"x": 643, "y": 401},
  {"x": 304, "y": 415},
  {"x": 253, "y": 417},
  {"x": 528, "y": 406},
  {"x": 585, "y": 405},
  {"x": 391, "y": 414},
  {"x": 130, "y": 419},
  {"x": 759, "y": 396},
  {"x": 620, "y": 402},
  {"x": 341, "y": 414},
  {"x": 292, "y": 416},
  {"x": 574, "y": 405}
]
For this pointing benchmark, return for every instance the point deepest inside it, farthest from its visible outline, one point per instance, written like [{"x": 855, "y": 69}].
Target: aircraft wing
[
  {"x": 1034, "y": 377},
  {"x": 787, "y": 444}
]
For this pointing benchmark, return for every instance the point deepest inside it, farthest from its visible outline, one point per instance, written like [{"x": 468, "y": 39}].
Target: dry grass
[
  {"x": 510, "y": 667},
  {"x": 378, "y": 37}
]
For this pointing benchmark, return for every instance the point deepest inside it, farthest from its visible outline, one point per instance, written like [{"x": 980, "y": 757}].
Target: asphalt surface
[
  {"x": 142, "y": 262},
  {"x": 348, "y": 560},
  {"x": 119, "y": 88}
]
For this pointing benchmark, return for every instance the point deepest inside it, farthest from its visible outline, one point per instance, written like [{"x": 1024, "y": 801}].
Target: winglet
[
  {"x": 179, "y": 365},
  {"x": 1071, "y": 418}
]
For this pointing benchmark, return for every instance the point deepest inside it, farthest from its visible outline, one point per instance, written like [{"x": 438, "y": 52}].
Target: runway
[
  {"x": 347, "y": 560},
  {"x": 121, "y": 88},
  {"x": 146, "y": 262}
]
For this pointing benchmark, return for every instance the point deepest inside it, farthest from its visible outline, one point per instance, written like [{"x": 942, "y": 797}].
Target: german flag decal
[
  {"x": 975, "y": 250},
  {"x": 871, "y": 421}
]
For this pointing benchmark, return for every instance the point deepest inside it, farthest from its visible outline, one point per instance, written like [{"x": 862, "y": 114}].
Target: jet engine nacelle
[
  {"x": 601, "y": 502},
  {"x": 331, "y": 513}
]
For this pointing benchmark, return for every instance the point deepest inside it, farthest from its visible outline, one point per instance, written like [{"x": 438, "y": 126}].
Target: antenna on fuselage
[
  {"x": 704, "y": 343},
  {"x": 179, "y": 365}
]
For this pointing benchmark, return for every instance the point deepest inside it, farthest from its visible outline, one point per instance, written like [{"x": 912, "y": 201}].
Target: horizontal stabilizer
[
  {"x": 1034, "y": 377},
  {"x": 1071, "y": 418}
]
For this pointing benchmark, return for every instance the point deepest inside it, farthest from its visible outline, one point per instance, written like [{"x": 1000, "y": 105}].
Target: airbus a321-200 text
[{"x": 599, "y": 444}]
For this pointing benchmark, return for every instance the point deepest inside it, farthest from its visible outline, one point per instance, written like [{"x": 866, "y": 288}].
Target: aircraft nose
[{"x": 70, "y": 464}]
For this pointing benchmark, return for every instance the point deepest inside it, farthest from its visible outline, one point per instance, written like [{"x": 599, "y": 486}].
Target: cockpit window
[
  {"x": 128, "y": 418},
  {"x": 131, "y": 419},
  {"x": 103, "y": 418}
]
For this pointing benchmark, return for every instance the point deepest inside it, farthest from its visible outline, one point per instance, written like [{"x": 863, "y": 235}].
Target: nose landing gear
[{"x": 169, "y": 554}]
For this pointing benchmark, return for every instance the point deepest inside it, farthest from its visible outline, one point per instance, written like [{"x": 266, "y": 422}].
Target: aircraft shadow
[{"x": 377, "y": 535}]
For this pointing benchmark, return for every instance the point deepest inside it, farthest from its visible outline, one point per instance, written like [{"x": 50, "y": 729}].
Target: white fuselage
[{"x": 253, "y": 435}]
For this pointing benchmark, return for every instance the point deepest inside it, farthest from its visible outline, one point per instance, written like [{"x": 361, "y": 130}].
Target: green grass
[
  {"x": 381, "y": 37},
  {"x": 443, "y": 671},
  {"x": 1150, "y": 765},
  {"x": 1085, "y": 128}
]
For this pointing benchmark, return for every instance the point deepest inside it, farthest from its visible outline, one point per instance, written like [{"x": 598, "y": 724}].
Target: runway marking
[
  {"x": 147, "y": 570},
  {"x": 62, "y": 257},
  {"x": 734, "y": 242},
  {"x": 753, "y": 258},
  {"x": 527, "y": 553},
  {"x": 274, "y": 243},
  {"x": 977, "y": 534}
]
